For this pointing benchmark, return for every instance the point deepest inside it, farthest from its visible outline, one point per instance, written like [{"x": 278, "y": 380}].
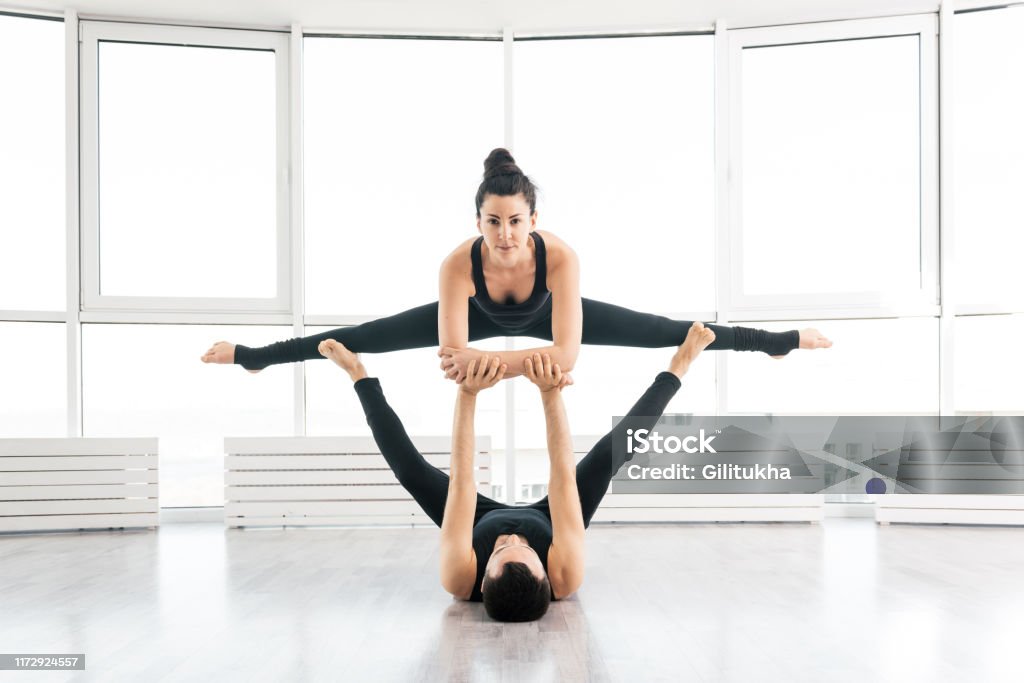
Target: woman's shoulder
[
  {"x": 558, "y": 250},
  {"x": 458, "y": 260}
]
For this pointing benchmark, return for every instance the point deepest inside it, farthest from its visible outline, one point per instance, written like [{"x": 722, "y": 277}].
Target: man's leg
[
  {"x": 425, "y": 483},
  {"x": 595, "y": 471}
]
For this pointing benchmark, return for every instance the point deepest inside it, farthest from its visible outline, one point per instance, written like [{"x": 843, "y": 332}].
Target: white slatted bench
[
  {"x": 910, "y": 508},
  {"x": 327, "y": 481},
  {"x": 699, "y": 507},
  {"x": 83, "y": 483}
]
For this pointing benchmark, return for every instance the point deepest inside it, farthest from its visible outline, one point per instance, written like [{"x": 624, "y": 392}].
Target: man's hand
[
  {"x": 547, "y": 376},
  {"x": 482, "y": 374}
]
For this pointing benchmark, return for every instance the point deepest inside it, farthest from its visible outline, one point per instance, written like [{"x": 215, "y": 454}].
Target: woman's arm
[
  {"x": 566, "y": 557},
  {"x": 455, "y": 286},
  {"x": 566, "y": 321},
  {"x": 458, "y": 561}
]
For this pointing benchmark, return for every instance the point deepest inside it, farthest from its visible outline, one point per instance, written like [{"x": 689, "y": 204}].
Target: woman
[
  {"x": 512, "y": 280},
  {"x": 515, "y": 559}
]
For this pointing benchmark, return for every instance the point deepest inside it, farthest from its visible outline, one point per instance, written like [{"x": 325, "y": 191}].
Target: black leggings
[
  {"x": 603, "y": 324},
  {"x": 429, "y": 485}
]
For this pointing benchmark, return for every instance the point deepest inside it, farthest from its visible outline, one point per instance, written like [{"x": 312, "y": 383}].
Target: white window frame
[
  {"x": 923, "y": 301},
  {"x": 91, "y": 34}
]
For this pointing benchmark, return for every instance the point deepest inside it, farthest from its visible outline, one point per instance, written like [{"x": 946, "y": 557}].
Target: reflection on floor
[{"x": 842, "y": 601}]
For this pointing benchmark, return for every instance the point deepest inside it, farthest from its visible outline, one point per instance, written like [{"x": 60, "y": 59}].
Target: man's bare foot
[
  {"x": 811, "y": 339},
  {"x": 697, "y": 339},
  {"x": 345, "y": 359},
  {"x": 221, "y": 352}
]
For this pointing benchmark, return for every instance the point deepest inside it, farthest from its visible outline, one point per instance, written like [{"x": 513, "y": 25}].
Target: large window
[
  {"x": 619, "y": 135},
  {"x": 33, "y": 380},
  {"x": 396, "y": 131},
  {"x": 988, "y": 372},
  {"x": 185, "y": 168},
  {"x": 834, "y": 165},
  {"x": 187, "y": 177},
  {"x": 876, "y": 367},
  {"x": 988, "y": 154},
  {"x": 32, "y": 166}
]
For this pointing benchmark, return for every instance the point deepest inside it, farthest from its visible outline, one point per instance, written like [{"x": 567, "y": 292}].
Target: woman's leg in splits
[
  {"x": 412, "y": 329},
  {"x": 609, "y": 325},
  {"x": 425, "y": 483}
]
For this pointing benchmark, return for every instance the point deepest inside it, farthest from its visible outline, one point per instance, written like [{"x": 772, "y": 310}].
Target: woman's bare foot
[
  {"x": 221, "y": 352},
  {"x": 697, "y": 339},
  {"x": 810, "y": 338},
  {"x": 345, "y": 359}
]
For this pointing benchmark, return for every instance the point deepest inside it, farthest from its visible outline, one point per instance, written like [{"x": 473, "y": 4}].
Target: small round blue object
[{"x": 875, "y": 485}]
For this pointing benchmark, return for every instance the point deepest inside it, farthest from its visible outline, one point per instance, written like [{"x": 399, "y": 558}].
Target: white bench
[
  {"x": 910, "y": 508},
  {"x": 83, "y": 483},
  {"x": 327, "y": 481}
]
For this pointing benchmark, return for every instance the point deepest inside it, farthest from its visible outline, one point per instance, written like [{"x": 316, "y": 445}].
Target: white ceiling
[{"x": 484, "y": 16}]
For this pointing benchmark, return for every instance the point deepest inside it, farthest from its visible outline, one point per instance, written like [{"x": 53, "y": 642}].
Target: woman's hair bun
[
  {"x": 500, "y": 162},
  {"x": 503, "y": 178}
]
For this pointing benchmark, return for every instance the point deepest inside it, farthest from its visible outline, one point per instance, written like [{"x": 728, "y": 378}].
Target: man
[{"x": 516, "y": 559}]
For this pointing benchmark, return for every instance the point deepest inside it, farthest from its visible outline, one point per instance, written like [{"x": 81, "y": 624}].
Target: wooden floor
[{"x": 842, "y": 601}]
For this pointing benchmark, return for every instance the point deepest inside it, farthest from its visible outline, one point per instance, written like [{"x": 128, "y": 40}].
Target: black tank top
[
  {"x": 525, "y": 521},
  {"x": 514, "y": 318}
]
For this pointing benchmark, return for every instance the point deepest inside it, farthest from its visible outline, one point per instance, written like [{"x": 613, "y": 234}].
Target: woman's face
[{"x": 505, "y": 223}]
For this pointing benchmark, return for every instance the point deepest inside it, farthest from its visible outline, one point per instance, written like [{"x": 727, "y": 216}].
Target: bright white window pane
[
  {"x": 988, "y": 373},
  {"x": 619, "y": 135},
  {"x": 32, "y": 221},
  {"x": 187, "y": 171},
  {"x": 148, "y": 381},
  {"x": 414, "y": 386},
  {"x": 831, "y": 166},
  {"x": 875, "y": 367},
  {"x": 396, "y": 132},
  {"x": 608, "y": 381},
  {"x": 33, "y": 379},
  {"x": 988, "y": 168}
]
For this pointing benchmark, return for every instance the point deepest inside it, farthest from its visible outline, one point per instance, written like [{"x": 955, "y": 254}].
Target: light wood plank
[
  {"x": 78, "y": 477},
  {"x": 301, "y": 477},
  {"x": 270, "y": 445},
  {"x": 76, "y": 462},
  {"x": 10, "y": 493},
  {"x": 74, "y": 522},
  {"x": 77, "y": 446},
  {"x": 737, "y": 514},
  {"x": 316, "y": 508},
  {"x": 76, "y": 507}
]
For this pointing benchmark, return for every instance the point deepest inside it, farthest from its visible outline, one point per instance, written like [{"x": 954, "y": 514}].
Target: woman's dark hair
[
  {"x": 503, "y": 178},
  {"x": 516, "y": 595}
]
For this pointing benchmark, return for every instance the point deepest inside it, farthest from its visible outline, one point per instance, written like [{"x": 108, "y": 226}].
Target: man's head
[{"x": 515, "y": 586}]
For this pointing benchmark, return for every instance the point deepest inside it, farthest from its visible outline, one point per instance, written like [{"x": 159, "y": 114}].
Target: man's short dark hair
[{"x": 516, "y": 595}]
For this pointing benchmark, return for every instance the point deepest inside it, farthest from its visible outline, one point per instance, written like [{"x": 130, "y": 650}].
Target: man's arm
[
  {"x": 566, "y": 557},
  {"x": 458, "y": 561}
]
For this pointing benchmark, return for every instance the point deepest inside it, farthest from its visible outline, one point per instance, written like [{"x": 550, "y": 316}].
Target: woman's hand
[
  {"x": 482, "y": 374},
  {"x": 455, "y": 362},
  {"x": 545, "y": 375}
]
